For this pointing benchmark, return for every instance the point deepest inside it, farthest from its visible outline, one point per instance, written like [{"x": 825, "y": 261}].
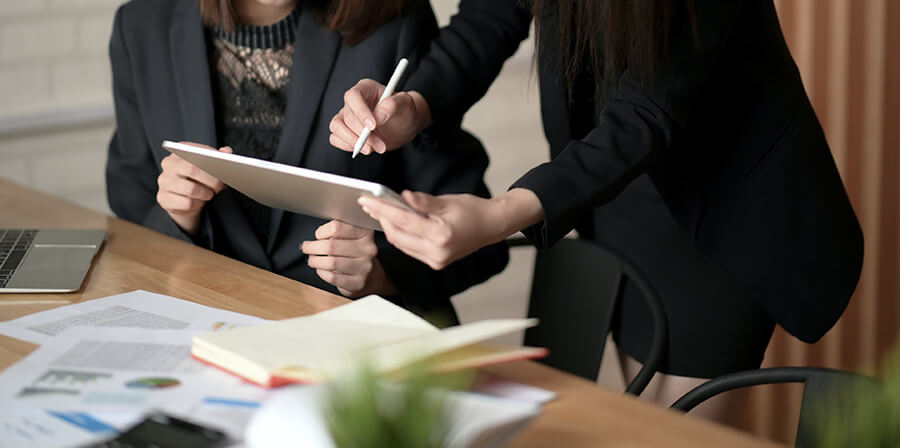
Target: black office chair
[
  {"x": 820, "y": 386},
  {"x": 575, "y": 288}
]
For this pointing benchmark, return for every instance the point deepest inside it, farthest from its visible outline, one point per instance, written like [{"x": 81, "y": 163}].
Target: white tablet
[{"x": 298, "y": 190}]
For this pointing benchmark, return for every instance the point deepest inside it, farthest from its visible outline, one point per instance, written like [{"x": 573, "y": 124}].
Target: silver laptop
[{"x": 46, "y": 260}]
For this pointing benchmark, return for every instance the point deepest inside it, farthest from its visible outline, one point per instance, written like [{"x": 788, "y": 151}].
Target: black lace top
[{"x": 251, "y": 72}]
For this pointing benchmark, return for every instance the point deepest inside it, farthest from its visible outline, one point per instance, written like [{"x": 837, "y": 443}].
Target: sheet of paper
[
  {"x": 133, "y": 370},
  {"x": 493, "y": 385},
  {"x": 50, "y": 429},
  {"x": 136, "y": 309}
]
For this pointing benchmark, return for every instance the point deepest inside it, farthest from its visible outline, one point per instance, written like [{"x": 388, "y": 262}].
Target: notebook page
[
  {"x": 396, "y": 355},
  {"x": 307, "y": 342},
  {"x": 377, "y": 310}
]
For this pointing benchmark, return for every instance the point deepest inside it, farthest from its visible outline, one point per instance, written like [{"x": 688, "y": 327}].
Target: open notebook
[{"x": 317, "y": 347}]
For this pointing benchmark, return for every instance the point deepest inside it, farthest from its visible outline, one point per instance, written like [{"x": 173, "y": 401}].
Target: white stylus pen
[{"x": 388, "y": 91}]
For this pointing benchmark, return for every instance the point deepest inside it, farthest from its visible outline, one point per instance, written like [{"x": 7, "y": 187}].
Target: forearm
[{"x": 515, "y": 210}]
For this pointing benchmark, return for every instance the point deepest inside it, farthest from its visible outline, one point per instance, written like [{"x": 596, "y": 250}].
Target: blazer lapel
[
  {"x": 315, "y": 51},
  {"x": 193, "y": 88},
  {"x": 187, "y": 45}
]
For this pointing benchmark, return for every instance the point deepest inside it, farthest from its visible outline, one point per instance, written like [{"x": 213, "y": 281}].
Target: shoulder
[
  {"x": 137, "y": 17},
  {"x": 415, "y": 21}
]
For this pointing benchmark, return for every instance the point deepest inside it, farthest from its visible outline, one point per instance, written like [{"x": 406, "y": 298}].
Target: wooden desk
[{"x": 133, "y": 257}]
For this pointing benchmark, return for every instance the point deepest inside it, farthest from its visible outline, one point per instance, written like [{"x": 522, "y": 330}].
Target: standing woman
[
  {"x": 265, "y": 77},
  {"x": 681, "y": 135}
]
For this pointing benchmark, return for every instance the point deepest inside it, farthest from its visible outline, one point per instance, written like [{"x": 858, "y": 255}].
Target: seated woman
[{"x": 265, "y": 77}]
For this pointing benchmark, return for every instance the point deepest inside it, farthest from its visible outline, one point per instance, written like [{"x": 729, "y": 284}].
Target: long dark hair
[
  {"x": 608, "y": 37},
  {"x": 354, "y": 19}
]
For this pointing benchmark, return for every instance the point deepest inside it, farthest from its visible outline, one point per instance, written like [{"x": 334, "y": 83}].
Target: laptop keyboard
[{"x": 14, "y": 244}]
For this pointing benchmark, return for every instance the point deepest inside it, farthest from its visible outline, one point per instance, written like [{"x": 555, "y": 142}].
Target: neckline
[{"x": 276, "y": 35}]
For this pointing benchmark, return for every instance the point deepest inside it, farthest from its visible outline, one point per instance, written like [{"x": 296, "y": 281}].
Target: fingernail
[
  {"x": 370, "y": 124},
  {"x": 380, "y": 116}
]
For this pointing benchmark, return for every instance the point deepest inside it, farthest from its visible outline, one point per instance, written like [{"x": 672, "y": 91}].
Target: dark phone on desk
[{"x": 159, "y": 430}]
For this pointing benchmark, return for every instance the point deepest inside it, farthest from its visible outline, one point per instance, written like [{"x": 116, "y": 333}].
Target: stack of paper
[{"x": 104, "y": 362}]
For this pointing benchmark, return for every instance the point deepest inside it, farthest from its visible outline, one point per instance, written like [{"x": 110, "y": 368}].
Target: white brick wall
[
  {"x": 54, "y": 51},
  {"x": 53, "y": 56},
  {"x": 24, "y": 84},
  {"x": 31, "y": 39},
  {"x": 81, "y": 82},
  {"x": 68, "y": 163},
  {"x": 94, "y": 31},
  {"x": 13, "y": 8}
]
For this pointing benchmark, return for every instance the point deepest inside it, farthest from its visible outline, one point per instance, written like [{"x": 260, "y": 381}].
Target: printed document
[{"x": 136, "y": 309}]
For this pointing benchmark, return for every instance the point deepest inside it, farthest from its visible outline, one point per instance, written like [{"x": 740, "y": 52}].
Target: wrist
[
  {"x": 188, "y": 224},
  {"x": 381, "y": 283},
  {"x": 423, "y": 112},
  {"x": 515, "y": 210}
]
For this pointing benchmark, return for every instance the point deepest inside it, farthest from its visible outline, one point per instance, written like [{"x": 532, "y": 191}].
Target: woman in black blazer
[
  {"x": 269, "y": 90},
  {"x": 680, "y": 134}
]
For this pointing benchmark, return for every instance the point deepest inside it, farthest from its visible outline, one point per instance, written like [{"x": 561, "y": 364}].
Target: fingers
[
  {"x": 340, "y": 248},
  {"x": 428, "y": 227},
  {"x": 178, "y": 204},
  {"x": 422, "y": 202},
  {"x": 342, "y": 136},
  {"x": 391, "y": 106},
  {"x": 340, "y": 229},
  {"x": 348, "y": 285},
  {"x": 180, "y": 167},
  {"x": 172, "y": 183},
  {"x": 360, "y": 98},
  {"x": 342, "y": 265},
  {"x": 413, "y": 245},
  {"x": 425, "y": 238}
]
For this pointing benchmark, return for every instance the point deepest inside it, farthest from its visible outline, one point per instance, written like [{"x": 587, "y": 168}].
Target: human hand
[
  {"x": 452, "y": 226},
  {"x": 345, "y": 256},
  {"x": 394, "y": 122},
  {"x": 184, "y": 189}
]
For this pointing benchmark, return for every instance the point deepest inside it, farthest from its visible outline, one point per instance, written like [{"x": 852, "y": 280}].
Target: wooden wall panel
[{"x": 848, "y": 52}]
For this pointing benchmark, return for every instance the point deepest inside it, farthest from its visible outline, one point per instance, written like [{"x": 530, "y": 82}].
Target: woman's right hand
[
  {"x": 184, "y": 189},
  {"x": 452, "y": 226},
  {"x": 394, "y": 122}
]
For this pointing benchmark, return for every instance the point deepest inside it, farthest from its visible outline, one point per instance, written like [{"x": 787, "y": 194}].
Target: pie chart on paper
[{"x": 152, "y": 383}]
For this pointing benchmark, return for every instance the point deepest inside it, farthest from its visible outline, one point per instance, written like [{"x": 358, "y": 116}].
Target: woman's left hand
[{"x": 345, "y": 256}]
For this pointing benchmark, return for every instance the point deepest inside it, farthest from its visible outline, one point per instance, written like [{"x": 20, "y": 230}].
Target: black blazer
[
  {"x": 724, "y": 130},
  {"x": 162, "y": 90}
]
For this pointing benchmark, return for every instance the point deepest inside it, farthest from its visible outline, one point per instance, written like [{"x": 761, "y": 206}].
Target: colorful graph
[
  {"x": 216, "y": 326},
  {"x": 152, "y": 383}
]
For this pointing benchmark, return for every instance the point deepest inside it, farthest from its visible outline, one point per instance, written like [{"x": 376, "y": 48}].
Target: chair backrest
[
  {"x": 575, "y": 288},
  {"x": 820, "y": 385}
]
